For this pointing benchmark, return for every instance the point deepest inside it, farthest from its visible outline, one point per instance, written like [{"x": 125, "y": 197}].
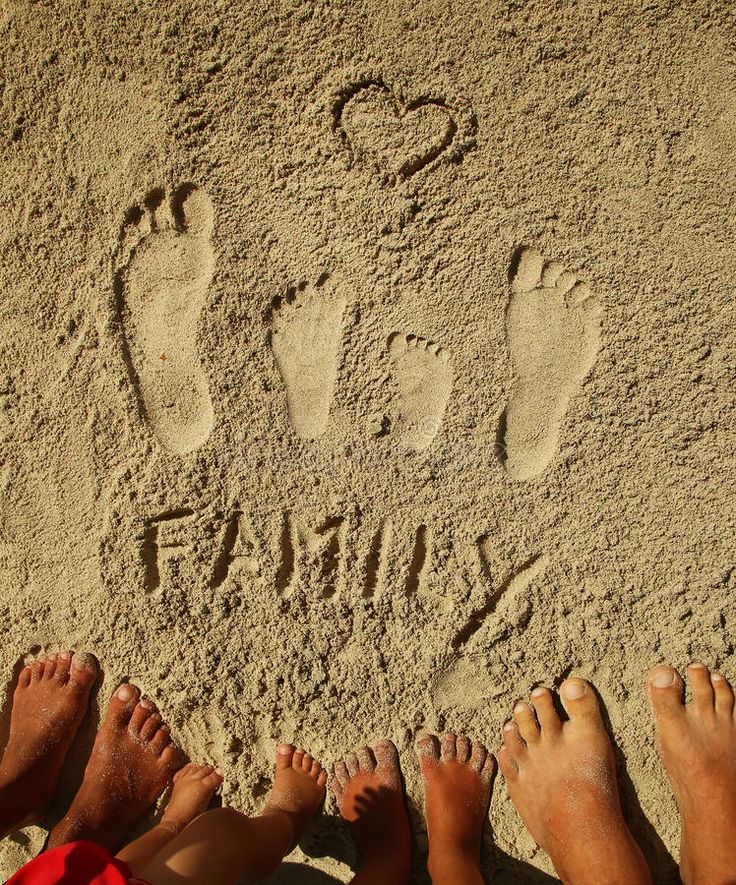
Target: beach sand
[{"x": 364, "y": 364}]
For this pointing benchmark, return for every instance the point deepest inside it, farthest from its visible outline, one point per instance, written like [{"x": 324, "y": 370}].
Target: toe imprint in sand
[
  {"x": 424, "y": 375},
  {"x": 165, "y": 268},
  {"x": 553, "y": 331},
  {"x": 306, "y": 337}
]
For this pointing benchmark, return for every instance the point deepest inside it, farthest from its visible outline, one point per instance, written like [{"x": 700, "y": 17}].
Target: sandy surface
[{"x": 364, "y": 363}]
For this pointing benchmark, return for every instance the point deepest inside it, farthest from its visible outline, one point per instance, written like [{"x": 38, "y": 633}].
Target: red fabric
[{"x": 77, "y": 863}]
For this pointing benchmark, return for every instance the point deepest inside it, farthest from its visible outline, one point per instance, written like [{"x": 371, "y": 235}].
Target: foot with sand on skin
[
  {"x": 561, "y": 777},
  {"x": 697, "y": 744}
]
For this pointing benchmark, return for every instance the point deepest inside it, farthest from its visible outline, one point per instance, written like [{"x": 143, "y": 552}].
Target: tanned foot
[
  {"x": 562, "y": 780},
  {"x": 194, "y": 787},
  {"x": 132, "y": 762},
  {"x": 298, "y": 789},
  {"x": 367, "y": 787},
  {"x": 457, "y": 775},
  {"x": 697, "y": 743},
  {"x": 49, "y": 703}
]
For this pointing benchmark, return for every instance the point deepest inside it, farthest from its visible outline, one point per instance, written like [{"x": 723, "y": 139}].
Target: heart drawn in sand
[{"x": 400, "y": 139}]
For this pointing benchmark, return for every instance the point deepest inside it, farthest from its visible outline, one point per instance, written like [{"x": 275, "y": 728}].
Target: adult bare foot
[
  {"x": 298, "y": 789},
  {"x": 367, "y": 787},
  {"x": 194, "y": 787},
  {"x": 562, "y": 779},
  {"x": 697, "y": 743},
  {"x": 49, "y": 703},
  {"x": 132, "y": 762},
  {"x": 457, "y": 774}
]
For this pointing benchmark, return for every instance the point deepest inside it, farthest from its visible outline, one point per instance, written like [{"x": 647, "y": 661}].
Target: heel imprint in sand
[
  {"x": 165, "y": 267},
  {"x": 553, "y": 335},
  {"x": 423, "y": 373},
  {"x": 306, "y": 333}
]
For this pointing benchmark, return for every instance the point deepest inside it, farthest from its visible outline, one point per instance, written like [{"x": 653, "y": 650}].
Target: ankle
[{"x": 454, "y": 863}]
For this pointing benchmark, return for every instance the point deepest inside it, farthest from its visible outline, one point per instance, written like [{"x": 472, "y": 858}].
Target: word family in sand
[{"x": 165, "y": 264}]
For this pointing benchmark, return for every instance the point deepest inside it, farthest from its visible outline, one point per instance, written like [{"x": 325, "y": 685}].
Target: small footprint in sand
[
  {"x": 167, "y": 264},
  {"x": 305, "y": 337},
  {"x": 553, "y": 331},
  {"x": 424, "y": 375}
]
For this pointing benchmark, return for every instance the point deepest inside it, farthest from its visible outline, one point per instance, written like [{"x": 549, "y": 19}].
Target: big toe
[
  {"x": 580, "y": 701},
  {"x": 665, "y": 689},
  {"x": 83, "y": 671},
  {"x": 284, "y": 756},
  {"x": 122, "y": 704}
]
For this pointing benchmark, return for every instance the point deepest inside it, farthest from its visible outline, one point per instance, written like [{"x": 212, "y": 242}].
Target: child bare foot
[
  {"x": 49, "y": 703},
  {"x": 194, "y": 787},
  {"x": 457, "y": 777},
  {"x": 697, "y": 743},
  {"x": 562, "y": 780},
  {"x": 298, "y": 788},
  {"x": 368, "y": 791},
  {"x": 132, "y": 762}
]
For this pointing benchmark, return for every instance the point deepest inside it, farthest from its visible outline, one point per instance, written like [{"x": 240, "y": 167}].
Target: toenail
[
  {"x": 51, "y": 657},
  {"x": 696, "y": 665},
  {"x": 716, "y": 677},
  {"x": 124, "y": 693},
  {"x": 84, "y": 661},
  {"x": 65, "y": 655},
  {"x": 509, "y": 726},
  {"x": 520, "y": 707},
  {"x": 538, "y": 692},
  {"x": 574, "y": 689},
  {"x": 663, "y": 678},
  {"x": 220, "y": 772},
  {"x": 147, "y": 705}
]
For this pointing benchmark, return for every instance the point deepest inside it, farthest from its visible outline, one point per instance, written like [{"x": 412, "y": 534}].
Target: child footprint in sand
[
  {"x": 161, "y": 288},
  {"x": 553, "y": 331},
  {"x": 424, "y": 375},
  {"x": 305, "y": 338}
]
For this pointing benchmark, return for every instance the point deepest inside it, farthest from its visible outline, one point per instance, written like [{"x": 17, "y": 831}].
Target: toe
[
  {"x": 284, "y": 755},
  {"x": 463, "y": 748},
  {"x": 83, "y": 671},
  {"x": 551, "y": 273},
  {"x": 366, "y": 760},
  {"x": 703, "y": 694},
  {"x": 489, "y": 768},
  {"x": 351, "y": 761},
  {"x": 449, "y": 747},
  {"x": 513, "y": 742},
  {"x": 37, "y": 670},
  {"x": 723, "y": 693},
  {"x": 580, "y": 292},
  {"x": 170, "y": 757},
  {"x": 322, "y": 779},
  {"x": 315, "y": 770},
  {"x": 544, "y": 707},
  {"x": 63, "y": 664},
  {"x": 529, "y": 271},
  {"x": 307, "y": 762},
  {"x": 526, "y": 721},
  {"x": 161, "y": 740},
  {"x": 507, "y": 765},
  {"x": 150, "y": 727},
  {"x": 141, "y": 712},
  {"x": 213, "y": 780},
  {"x": 580, "y": 701},
  {"x": 24, "y": 677},
  {"x": 566, "y": 281},
  {"x": 665, "y": 689},
  {"x": 297, "y": 759},
  {"x": 386, "y": 754},
  {"x": 478, "y": 757},
  {"x": 428, "y": 748},
  {"x": 341, "y": 773},
  {"x": 50, "y": 666},
  {"x": 122, "y": 704}
]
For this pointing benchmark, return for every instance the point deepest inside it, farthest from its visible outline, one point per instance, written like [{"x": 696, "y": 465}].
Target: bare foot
[
  {"x": 457, "y": 789},
  {"x": 298, "y": 788},
  {"x": 132, "y": 762},
  {"x": 49, "y": 703},
  {"x": 367, "y": 787},
  {"x": 194, "y": 787},
  {"x": 562, "y": 780},
  {"x": 697, "y": 743}
]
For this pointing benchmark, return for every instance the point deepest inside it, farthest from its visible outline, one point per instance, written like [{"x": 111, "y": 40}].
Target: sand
[{"x": 363, "y": 364}]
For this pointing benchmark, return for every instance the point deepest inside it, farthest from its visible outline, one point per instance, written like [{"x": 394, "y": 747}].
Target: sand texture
[{"x": 362, "y": 364}]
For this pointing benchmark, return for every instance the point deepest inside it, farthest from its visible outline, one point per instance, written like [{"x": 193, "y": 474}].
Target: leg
[
  {"x": 48, "y": 706},
  {"x": 131, "y": 764},
  {"x": 194, "y": 786},
  {"x": 457, "y": 791},
  {"x": 562, "y": 780},
  {"x": 367, "y": 787},
  {"x": 697, "y": 744},
  {"x": 223, "y": 846}
]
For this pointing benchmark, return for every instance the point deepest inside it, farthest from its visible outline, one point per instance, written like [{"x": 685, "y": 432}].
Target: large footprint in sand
[
  {"x": 306, "y": 334},
  {"x": 424, "y": 376},
  {"x": 166, "y": 268},
  {"x": 553, "y": 331}
]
